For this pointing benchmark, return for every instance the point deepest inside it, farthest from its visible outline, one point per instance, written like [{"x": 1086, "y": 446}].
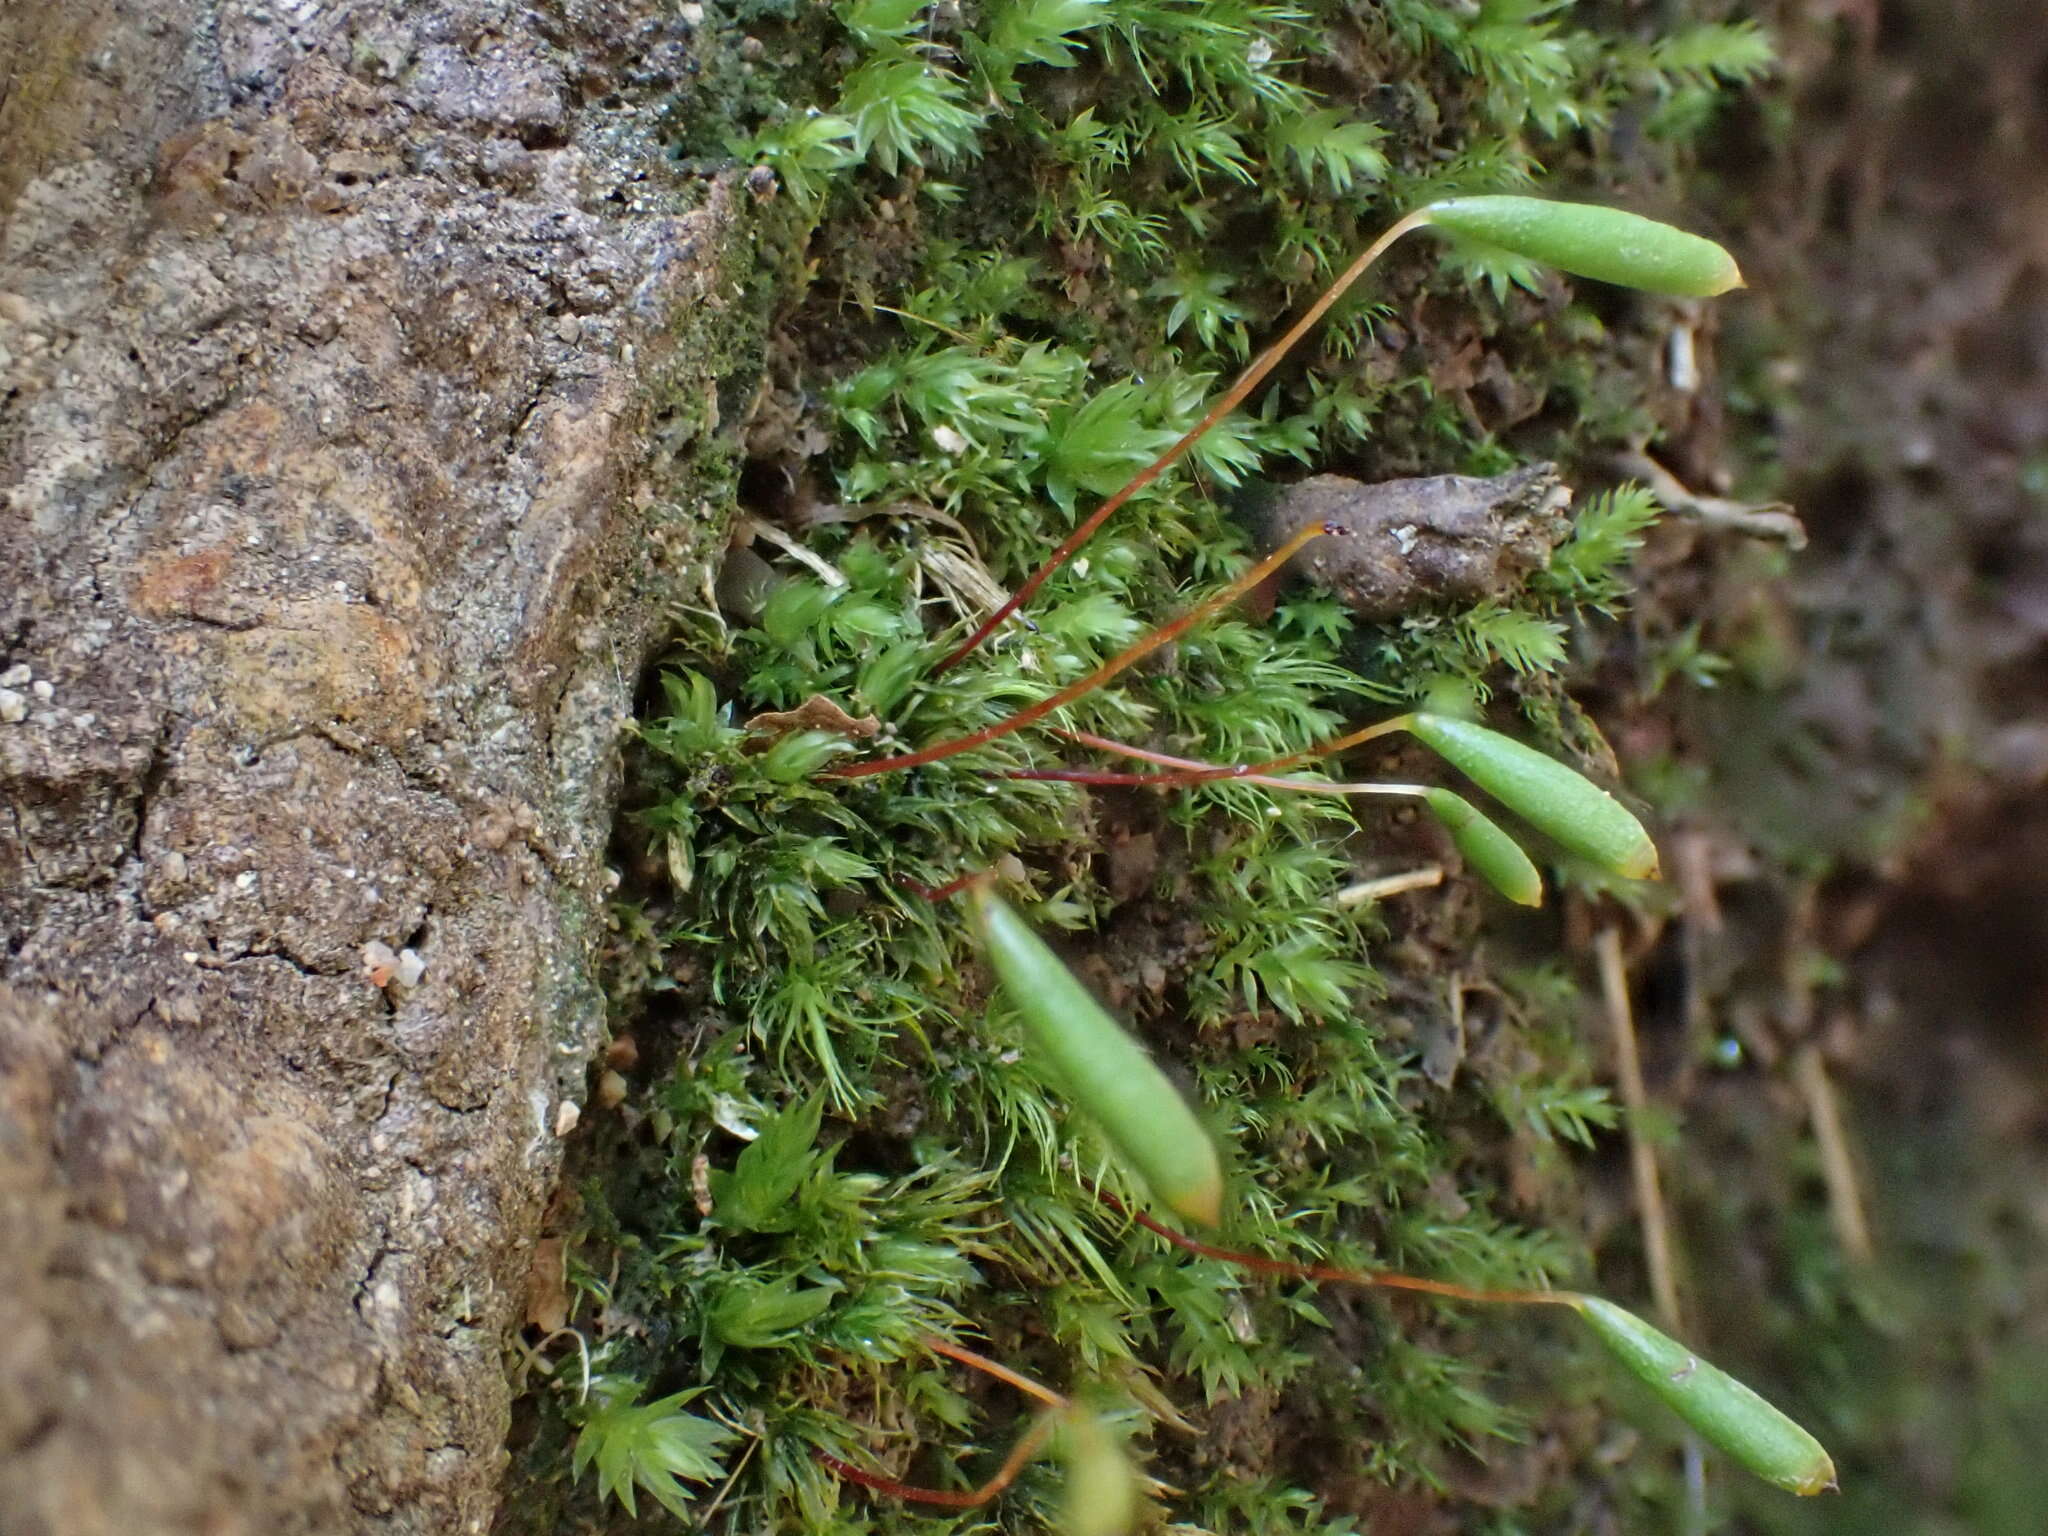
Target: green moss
[
  {"x": 40, "y": 110},
  {"x": 1080, "y": 216}
]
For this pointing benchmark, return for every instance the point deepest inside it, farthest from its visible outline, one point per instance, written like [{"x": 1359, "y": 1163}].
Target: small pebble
[
  {"x": 380, "y": 963},
  {"x": 13, "y": 706},
  {"x": 16, "y": 676}
]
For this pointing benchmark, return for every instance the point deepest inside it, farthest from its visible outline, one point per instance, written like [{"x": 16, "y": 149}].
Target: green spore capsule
[
  {"x": 1103, "y": 1069},
  {"x": 1542, "y": 791},
  {"x": 1102, "y": 1489},
  {"x": 1725, "y": 1412},
  {"x": 1496, "y": 858},
  {"x": 1588, "y": 241}
]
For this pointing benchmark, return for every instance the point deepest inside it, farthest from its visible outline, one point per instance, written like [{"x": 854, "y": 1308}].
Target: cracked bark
[{"x": 331, "y": 543}]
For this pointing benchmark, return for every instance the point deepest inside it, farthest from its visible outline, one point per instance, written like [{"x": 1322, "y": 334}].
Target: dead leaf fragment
[
  {"x": 547, "y": 1286},
  {"x": 817, "y": 713}
]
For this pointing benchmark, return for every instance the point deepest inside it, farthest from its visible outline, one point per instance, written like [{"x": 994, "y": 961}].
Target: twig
[
  {"x": 1837, "y": 1166},
  {"x": 1391, "y": 885},
  {"x": 1763, "y": 520},
  {"x": 1642, "y": 1156},
  {"x": 822, "y": 568},
  {"x": 725, "y": 1488}
]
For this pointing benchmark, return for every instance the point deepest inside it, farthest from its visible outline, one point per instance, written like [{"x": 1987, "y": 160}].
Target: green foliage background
[{"x": 1013, "y": 249}]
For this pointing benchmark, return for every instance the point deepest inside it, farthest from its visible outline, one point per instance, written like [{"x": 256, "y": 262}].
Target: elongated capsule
[
  {"x": 1725, "y": 1412},
  {"x": 1102, "y": 1488},
  {"x": 1103, "y": 1069},
  {"x": 1589, "y": 241},
  {"x": 1496, "y": 858},
  {"x": 1543, "y": 792}
]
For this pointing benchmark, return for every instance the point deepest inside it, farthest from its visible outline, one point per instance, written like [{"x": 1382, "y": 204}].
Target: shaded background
[{"x": 1884, "y": 752}]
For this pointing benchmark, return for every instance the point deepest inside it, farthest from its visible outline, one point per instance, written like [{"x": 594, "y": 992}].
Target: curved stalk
[
  {"x": 1028, "y": 1445},
  {"x": 1221, "y": 598},
  {"x": 1195, "y": 772},
  {"x": 1385, "y": 1278},
  {"x": 1227, "y": 402}
]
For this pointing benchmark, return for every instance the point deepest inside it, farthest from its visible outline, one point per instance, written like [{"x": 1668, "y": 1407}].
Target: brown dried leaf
[
  {"x": 547, "y": 1286},
  {"x": 817, "y": 713}
]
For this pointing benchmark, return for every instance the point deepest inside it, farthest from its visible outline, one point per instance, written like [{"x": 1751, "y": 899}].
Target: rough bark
[{"x": 332, "y": 343}]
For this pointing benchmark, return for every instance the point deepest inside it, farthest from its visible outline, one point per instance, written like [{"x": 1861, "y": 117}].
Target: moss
[
  {"x": 36, "y": 114},
  {"x": 1079, "y": 216}
]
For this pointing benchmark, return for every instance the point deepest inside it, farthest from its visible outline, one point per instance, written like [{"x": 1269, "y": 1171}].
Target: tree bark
[{"x": 349, "y": 356}]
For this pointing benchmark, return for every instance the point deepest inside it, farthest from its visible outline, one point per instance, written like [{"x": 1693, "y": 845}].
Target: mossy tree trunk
[
  {"x": 346, "y": 360},
  {"x": 342, "y": 350}
]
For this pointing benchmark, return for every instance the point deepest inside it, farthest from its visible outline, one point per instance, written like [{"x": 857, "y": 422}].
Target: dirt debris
[{"x": 1440, "y": 538}]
